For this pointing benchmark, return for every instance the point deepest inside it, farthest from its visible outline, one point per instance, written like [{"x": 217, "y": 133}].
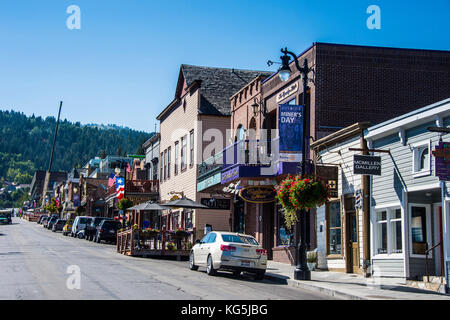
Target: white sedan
[{"x": 229, "y": 251}]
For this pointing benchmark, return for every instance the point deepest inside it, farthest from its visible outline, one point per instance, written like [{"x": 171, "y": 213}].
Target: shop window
[
  {"x": 418, "y": 229},
  {"x": 334, "y": 228},
  {"x": 188, "y": 220},
  {"x": 388, "y": 231},
  {"x": 285, "y": 236}
]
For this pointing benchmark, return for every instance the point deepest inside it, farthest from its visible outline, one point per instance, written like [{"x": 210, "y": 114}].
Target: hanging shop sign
[
  {"x": 330, "y": 174},
  {"x": 291, "y": 132},
  {"x": 258, "y": 194},
  {"x": 293, "y": 88},
  {"x": 216, "y": 204},
  {"x": 367, "y": 165},
  {"x": 442, "y": 156}
]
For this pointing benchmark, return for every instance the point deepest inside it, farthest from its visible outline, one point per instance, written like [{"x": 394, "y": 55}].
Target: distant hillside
[{"x": 25, "y": 144}]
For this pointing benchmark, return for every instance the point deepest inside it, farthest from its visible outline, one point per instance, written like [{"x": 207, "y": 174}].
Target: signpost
[{"x": 367, "y": 165}]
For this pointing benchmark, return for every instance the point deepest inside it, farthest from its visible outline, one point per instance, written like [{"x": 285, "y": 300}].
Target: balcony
[
  {"x": 136, "y": 187},
  {"x": 209, "y": 172}
]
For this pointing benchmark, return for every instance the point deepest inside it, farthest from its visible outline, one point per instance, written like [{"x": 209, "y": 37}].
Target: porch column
[{"x": 445, "y": 220}]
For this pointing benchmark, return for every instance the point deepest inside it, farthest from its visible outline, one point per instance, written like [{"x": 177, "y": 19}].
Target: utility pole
[{"x": 47, "y": 174}]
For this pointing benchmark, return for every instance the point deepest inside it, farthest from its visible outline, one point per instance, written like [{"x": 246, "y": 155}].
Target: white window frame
[
  {"x": 390, "y": 211},
  {"x": 429, "y": 234},
  {"x": 416, "y": 158}
]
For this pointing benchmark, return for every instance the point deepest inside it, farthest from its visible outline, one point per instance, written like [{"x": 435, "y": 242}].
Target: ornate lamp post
[{"x": 302, "y": 271}]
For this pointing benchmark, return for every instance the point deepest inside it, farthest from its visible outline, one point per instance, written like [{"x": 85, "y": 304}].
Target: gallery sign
[
  {"x": 258, "y": 194},
  {"x": 442, "y": 156},
  {"x": 330, "y": 175},
  {"x": 291, "y": 132},
  {"x": 366, "y": 165}
]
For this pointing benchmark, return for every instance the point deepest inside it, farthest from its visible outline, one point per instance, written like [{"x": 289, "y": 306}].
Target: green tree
[{"x": 52, "y": 206}]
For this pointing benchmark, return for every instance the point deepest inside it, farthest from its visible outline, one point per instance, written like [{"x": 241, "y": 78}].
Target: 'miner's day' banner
[{"x": 291, "y": 132}]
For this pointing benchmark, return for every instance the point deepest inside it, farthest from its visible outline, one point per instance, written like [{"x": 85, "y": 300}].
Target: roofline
[
  {"x": 176, "y": 100},
  {"x": 340, "y": 135},
  {"x": 248, "y": 83},
  {"x": 393, "y": 125}
]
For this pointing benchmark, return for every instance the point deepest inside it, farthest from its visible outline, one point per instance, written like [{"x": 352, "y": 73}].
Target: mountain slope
[{"x": 25, "y": 144}]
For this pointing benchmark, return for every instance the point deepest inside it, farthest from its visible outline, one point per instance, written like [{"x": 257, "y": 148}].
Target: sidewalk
[{"x": 349, "y": 286}]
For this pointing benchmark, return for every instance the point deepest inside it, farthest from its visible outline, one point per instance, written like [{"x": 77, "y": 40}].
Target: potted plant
[
  {"x": 311, "y": 260},
  {"x": 171, "y": 246}
]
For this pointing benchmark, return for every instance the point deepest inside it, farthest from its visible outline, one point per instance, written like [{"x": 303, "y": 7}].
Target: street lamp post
[{"x": 302, "y": 271}]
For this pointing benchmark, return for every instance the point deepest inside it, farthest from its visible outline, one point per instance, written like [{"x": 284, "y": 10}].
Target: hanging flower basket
[{"x": 297, "y": 193}]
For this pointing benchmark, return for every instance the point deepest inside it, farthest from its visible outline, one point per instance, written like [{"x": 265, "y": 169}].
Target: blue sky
[{"x": 121, "y": 67}]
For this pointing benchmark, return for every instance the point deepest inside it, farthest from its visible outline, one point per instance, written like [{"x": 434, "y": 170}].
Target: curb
[{"x": 298, "y": 284}]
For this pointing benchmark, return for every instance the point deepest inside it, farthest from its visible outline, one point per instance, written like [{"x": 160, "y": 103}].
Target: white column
[{"x": 445, "y": 220}]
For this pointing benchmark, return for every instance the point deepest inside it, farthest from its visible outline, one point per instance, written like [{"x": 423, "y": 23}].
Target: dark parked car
[
  {"x": 107, "y": 231},
  {"x": 41, "y": 219},
  {"x": 51, "y": 222},
  {"x": 58, "y": 225},
  {"x": 91, "y": 229},
  {"x": 80, "y": 224},
  {"x": 5, "y": 217},
  {"x": 44, "y": 220}
]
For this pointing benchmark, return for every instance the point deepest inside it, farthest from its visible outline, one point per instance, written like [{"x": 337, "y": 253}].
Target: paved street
[{"x": 34, "y": 261}]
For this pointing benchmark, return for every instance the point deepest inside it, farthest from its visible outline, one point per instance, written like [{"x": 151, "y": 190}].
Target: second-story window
[
  {"x": 161, "y": 167},
  {"x": 191, "y": 148},
  {"x": 169, "y": 151},
  {"x": 176, "y": 157},
  {"x": 165, "y": 164},
  {"x": 183, "y": 153}
]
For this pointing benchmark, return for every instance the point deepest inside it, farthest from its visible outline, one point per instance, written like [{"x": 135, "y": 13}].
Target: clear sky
[{"x": 121, "y": 67}]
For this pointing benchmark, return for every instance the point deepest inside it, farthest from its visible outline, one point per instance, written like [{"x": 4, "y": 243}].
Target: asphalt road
[{"x": 34, "y": 262}]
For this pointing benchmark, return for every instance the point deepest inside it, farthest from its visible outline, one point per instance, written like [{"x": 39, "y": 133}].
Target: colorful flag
[
  {"x": 120, "y": 187},
  {"x": 111, "y": 180}
]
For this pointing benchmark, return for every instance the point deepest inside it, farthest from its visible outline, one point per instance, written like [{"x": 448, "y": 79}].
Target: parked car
[
  {"x": 41, "y": 219},
  {"x": 107, "y": 231},
  {"x": 51, "y": 222},
  {"x": 58, "y": 225},
  {"x": 79, "y": 224},
  {"x": 229, "y": 251},
  {"x": 67, "y": 229},
  {"x": 44, "y": 220},
  {"x": 5, "y": 217},
  {"x": 91, "y": 229}
]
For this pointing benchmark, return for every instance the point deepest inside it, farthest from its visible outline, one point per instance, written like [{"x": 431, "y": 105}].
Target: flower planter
[{"x": 311, "y": 266}]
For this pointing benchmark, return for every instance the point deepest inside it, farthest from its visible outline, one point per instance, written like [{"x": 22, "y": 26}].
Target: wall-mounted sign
[
  {"x": 293, "y": 88},
  {"x": 291, "y": 132},
  {"x": 442, "y": 155},
  {"x": 217, "y": 204},
  {"x": 258, "y": 194},
  {"x": 366, "y": 165},
  {"x": 330, "y": 174}
]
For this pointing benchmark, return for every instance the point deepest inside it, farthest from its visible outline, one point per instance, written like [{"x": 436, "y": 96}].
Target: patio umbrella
[
  {"x": 184, "y": 203},
  {"x": 149, "y": 205}
]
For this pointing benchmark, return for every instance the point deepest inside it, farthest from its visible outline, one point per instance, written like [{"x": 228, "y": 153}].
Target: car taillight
[
  {"x": 100, "y": 230},
  {"x": 227, "y": 248},
  {"x": 261, "y": 252}
]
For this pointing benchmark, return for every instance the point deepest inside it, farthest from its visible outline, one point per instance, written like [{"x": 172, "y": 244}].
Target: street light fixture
[{"x": 302, "y": 271}]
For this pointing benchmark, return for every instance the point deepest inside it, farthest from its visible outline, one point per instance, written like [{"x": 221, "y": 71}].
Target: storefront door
[
  {"x": 268, "y": 228},
  {"x": 353, "y": 245}
]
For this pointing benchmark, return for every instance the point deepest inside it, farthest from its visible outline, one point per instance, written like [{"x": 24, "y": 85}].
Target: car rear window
[
  {"x": 111, "y": 224},
  {"x": 250, "y": 240},
  {"x": 232, "y": 238}
]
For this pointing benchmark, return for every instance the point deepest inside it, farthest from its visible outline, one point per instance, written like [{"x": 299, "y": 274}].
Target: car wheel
[
  {"x": 210, "y": 268},
  {"x": 192, "y": 265},
  {"x": 236, "y": 273},
  {"x": 260, "y": 275}
]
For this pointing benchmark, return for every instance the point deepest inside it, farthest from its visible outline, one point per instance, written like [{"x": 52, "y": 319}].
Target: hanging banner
[
  {"x": 331, "y": 175},
  {"x": 290, "y": 126},
  {"x": 442, "y": 157}
]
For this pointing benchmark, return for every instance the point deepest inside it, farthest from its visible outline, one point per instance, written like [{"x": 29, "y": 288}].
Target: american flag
[
  {"x": 111, "y": 180},
  {"x": 120, "y": 187}
]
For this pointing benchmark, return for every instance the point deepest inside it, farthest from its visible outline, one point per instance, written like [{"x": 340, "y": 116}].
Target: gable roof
[{"x": 217, "y": 85}]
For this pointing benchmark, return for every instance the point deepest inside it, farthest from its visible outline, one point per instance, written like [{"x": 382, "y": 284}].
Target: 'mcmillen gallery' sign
[{"x": 366, "y": 165}]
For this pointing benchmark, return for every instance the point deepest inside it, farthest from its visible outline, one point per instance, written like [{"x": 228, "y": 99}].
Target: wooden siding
[{"x": 388, "y": 268}]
